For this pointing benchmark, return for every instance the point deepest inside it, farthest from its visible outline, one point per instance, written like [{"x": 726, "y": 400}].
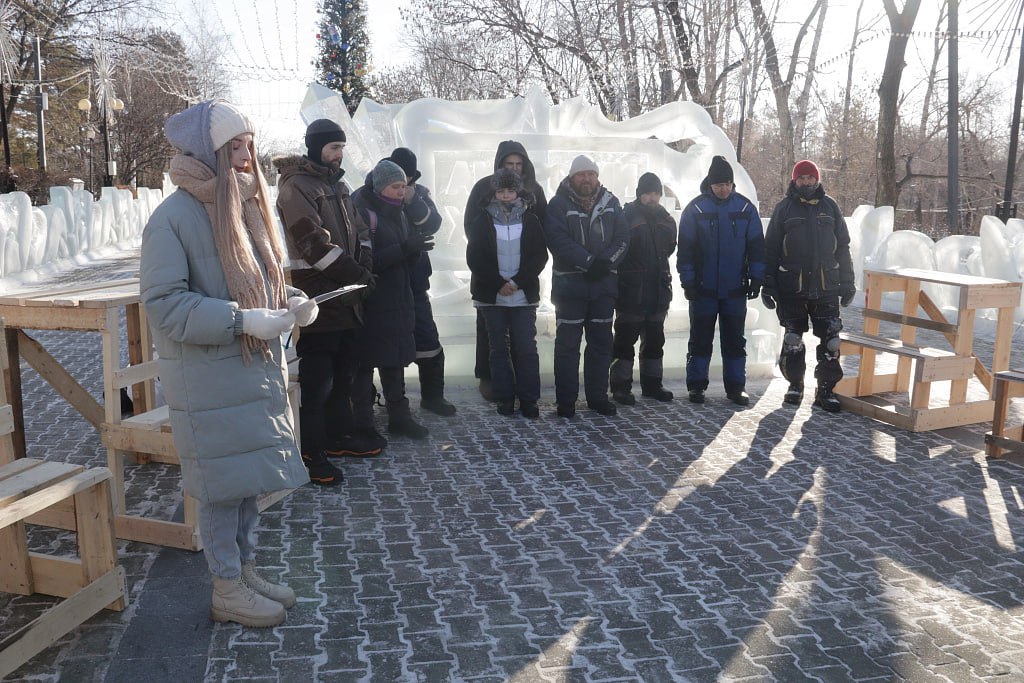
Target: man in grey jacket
[{"x": 587, "y": 236}]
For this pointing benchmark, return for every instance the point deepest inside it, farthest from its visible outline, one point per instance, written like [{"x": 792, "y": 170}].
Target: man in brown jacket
[{"x": 328, "y": 247}]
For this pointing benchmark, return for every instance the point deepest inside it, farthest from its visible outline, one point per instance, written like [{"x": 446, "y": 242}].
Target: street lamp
[{"x": 88, "y": 136}]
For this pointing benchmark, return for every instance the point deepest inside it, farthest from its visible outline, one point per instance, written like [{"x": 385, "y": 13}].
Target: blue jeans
[
  {"x": 228, "y": 532},
  {"x": 518, "y": 324}
]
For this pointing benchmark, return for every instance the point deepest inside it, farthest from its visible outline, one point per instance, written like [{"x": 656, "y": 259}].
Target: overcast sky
[{"x": 278, "y": 44}]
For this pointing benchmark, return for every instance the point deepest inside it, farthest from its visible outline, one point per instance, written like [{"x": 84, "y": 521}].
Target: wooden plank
[
  {"x": 27, "y": 642},
  {"x": 6, "y": 419},
  {"x": 1001, "y": 406},
  {"x": 19, "y": 298},
  {"x": 32, "y": 480},
  {"x": 15, "y": 567},
  {"x": 140, "y": 352},
  {"x": 60, "y": 379},
  {"x": 933, "y": 311},
  {"x": 1011, "y": 375},
  {"x": 157, "y": 532},
  {"x": 891, "y": 414},
  {"x": 955, "y": 416},
  {"x": 963, "y": 345},
  {"x": 111, "y": 350},
  {"x": 946, "y": 369},
  {"x": 995, "y": 445},
  {"x": 29, "y": 318},
  {"x": 123, "y": 437},
  {"x": 882, "y": 384},
  {"x": 914, "y": 321},
  {"x": 908, "y": 334},
  {"x": 938, "y": 277},
  {"x": 1004, "y": 339},
  {"x": 58, "y": 576},
  {"x": 51, "y": 494},
  {"x": 12, "y": 388},
  {"x": 1004, "y": 295},
  {"x": 96, "y": 547},
  {"x": 136, "y": 374},
  {"x": 153, "y": 420},
  {"x": 17, "y": 467}
]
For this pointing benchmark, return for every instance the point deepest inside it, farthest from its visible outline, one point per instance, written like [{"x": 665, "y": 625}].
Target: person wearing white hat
[
  {"x": 214, "y": 291},
  {"x": 587, "y": 236}
]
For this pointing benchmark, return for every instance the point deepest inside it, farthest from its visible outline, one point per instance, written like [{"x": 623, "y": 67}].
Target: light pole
[
  {"x": 88, "y": 135},
  {"x": 108, "y": 105},
  {"x": 105, "y": 122}
]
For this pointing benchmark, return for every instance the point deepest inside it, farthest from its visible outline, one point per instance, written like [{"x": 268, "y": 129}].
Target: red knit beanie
[{"x": 805, "y": 167}]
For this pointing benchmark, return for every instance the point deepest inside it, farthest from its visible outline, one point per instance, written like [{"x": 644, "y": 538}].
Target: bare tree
[
  {"x": 901, "y": 23},
  {"x": 782, "y": 85}
]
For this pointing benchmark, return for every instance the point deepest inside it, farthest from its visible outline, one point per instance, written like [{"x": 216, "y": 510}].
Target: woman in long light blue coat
[{"x": 214, "y": 291}]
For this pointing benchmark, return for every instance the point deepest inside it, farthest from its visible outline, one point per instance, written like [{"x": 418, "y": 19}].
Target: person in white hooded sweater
[{"x": 506, "y": 253}]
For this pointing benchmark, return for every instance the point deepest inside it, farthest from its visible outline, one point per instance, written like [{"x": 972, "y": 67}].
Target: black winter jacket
[
  {"x": 423, "y": 218},
  {"x": 389, "y": 311},
  {"x": 645, "y": 280},
  {"x": 482, "y": 258},
  {"x": 808, "y": 248}
]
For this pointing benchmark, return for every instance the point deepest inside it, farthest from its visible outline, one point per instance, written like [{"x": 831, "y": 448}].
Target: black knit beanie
[
  {"x": 720, "y": 171},
  {"x": 648, "y": 182},
  {"x": 318, "y": 134},
  {"x": 406, "y": 159}
]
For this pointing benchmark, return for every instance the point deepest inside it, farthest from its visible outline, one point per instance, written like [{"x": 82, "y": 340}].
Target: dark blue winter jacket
[{"x": 721, "y": 244}]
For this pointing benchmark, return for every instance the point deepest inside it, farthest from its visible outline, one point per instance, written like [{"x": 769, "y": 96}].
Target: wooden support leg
[
  {"x": 96, "y": 545},
  {"x": 16, "y": 574},
  {"x": 12, "y": 382},
  {"x": 1002, "y": 405},
  {"x": 111, "y": 336}
]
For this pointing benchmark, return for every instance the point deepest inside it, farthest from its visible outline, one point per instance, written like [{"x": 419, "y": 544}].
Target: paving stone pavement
[{"x": 673, "y": 542}]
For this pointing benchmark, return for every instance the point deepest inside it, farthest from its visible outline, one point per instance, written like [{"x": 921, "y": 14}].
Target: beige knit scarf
[{"x": 241, "y": 271}]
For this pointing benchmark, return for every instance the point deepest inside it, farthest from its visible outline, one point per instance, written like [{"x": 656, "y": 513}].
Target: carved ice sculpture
[{"x": 455, "y": 144}]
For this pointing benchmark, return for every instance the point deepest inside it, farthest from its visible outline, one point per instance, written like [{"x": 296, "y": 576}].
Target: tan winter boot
[
  {"x": 275, "y": 591},
  {"x": 234, "y": 600}
]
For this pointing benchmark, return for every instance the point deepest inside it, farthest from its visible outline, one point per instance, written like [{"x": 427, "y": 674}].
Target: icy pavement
[{"x": 671, "y": 543}]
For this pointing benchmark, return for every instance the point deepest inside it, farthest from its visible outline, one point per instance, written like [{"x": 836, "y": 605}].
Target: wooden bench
[
  {"x": 917, "y": 367},
  {"x": 1009, "y": 384},
  {"x": 29, "y": 489},
  {"x": 148, "y": 437}
]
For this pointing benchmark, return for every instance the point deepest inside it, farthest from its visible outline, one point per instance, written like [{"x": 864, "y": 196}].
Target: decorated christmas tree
[{"x": 342, "y": 60}]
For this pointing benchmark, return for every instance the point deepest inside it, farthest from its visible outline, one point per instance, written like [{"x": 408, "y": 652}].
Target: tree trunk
[
  {"x": 844, "y": 132},
  {"x": 887, "y": 192}
]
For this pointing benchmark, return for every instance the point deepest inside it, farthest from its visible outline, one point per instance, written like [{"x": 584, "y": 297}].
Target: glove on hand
[
  {"x": 690, "y": 293},
  {"x": 846, "y": 296},
  {"x": 768, "y": 300},
  {"x": 753, "y": 289},
  {"x": 370, "y": 280},
  {"x": 417, "y": 243},
  {"x": 264, "y": 323},
  {"x": 306, "y": 316},
  {"x": 599, "y": 268}
]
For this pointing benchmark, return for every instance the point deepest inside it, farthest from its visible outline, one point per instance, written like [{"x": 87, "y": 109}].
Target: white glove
[
  {"x": 305, "y": 315},
  {"x": 264, "y": 323}
]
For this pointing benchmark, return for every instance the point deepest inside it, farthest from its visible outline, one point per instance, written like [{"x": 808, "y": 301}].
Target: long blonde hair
[
  {"x": 228, "y": 205},
  {"x": 241, "y": 227}
]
